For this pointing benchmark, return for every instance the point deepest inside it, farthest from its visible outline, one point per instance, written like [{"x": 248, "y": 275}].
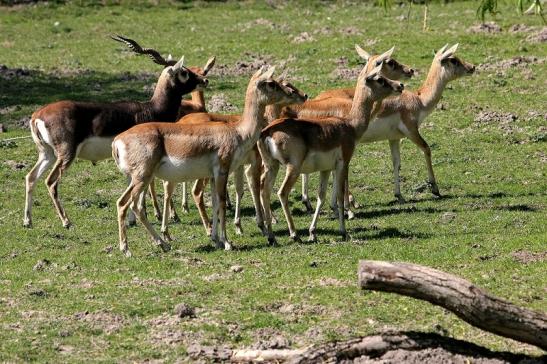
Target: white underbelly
[
  {"x": 383, "y": 129},
  {"x": 95, "y": 148},
  {"x": 317, "y": 161},
  {"x": 187, "y": 169}
]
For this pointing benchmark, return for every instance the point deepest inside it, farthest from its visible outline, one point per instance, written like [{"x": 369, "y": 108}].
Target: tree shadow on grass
[
  {"x": 395, "y": 211},
  {"x": 33, "y": 87},
  {"x": 381, "y": 234}
]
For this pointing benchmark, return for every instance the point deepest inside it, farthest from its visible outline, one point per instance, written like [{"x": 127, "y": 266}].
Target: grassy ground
[{"x": 91, "y": 303}]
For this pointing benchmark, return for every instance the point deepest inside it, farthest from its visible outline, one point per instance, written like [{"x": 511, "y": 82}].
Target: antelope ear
[
  {"x": 283, "y": 75},
  {"x": 375, "y": 72},
  {"x": 381, "y": 58},
  {"x": 441, "y": 51},
  {"x": 450, "y": 52},
  {"x": 259, "y": 72},
  {"x": 269, "y": 73},
  {"x": 362, "y": 53},
  {"x": 210, "y": 63},
  {"x": 180, "y": 63},
  {"x": 169, "y": 58}
]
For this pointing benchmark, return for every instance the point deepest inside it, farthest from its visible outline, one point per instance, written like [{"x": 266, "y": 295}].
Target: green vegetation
[{"x": 87, "y": 302}]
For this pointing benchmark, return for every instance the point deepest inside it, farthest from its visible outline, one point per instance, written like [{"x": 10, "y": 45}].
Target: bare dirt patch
[
  {"x": 250, "y": 63},
  {"x": 220, "y": 103},
  {"x": 520, "y": 28},
  {"x": 343, "y": 71},
  {"x": 495, "y": 117},
  {"x": 525, "y": 257},
  {"x": 302, "y": 38},
  {"x": 9, "y": 73},
  {"x": 488, "y": 27},
  {"x": 107, "y": 322},
  {"x": 539, "y": 37},
  {"x": 514, "y": 62}
]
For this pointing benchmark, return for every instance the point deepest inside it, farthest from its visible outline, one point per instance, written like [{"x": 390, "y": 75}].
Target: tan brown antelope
[
  {"x": 180, "y": 152},
  {"x": 65, "y": 130},
  {"x": 195, "y": 105},
  {"x": 251, "y": 165},
  {"x": 401, "y": 116},
  {"x": 313, "y": 145},
  {"x": 391, "y": 69}
]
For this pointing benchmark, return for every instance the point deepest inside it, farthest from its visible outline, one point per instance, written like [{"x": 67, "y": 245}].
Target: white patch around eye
[{"x": 183, "y": 76}]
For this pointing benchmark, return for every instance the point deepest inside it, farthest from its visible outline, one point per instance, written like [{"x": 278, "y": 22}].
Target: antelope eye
[
  {"x": 381, "y": 81},
  {"x": 390, "y": 62},
  {"x": 453, "y": 61}
]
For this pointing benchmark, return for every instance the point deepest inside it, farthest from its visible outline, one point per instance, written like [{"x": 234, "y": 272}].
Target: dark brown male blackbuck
[
  {"x": 401, "y": 116},
  {"x": 195, "y": 105},
  {"x": 306, "y": 145},
  {"x": 184, "y": 152},
  {"x": 66, "y": 130}
]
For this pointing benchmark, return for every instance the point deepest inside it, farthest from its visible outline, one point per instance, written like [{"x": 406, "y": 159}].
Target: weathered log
[
  {"x": 467, "y": 301},
  {"x": 409, "y": 344}
]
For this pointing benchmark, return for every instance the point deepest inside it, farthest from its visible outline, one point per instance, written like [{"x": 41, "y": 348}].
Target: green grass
[{"x": 493, "y": 181}]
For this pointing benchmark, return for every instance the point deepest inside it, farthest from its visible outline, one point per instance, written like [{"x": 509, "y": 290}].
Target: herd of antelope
[{"x": 176, "y": 140}]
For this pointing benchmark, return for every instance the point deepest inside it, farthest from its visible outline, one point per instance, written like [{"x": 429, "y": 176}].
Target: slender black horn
[{"x": 154, "y": 55}]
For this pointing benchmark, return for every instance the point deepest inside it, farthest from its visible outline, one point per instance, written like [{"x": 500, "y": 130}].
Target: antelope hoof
[
  {"x": 185, "y": 208},
  {"x": 312, "y": 238},
  {"x": 344, "y": 236},
  {"x": 436, "y": 193},
  {"x": 274, "y": 219},
  {"x": 296, "y": 239},
  {"x": 353, "y": 203},
  {"x": 127, "y": 254},
  {"x": 219, "y": 244},
  {"x": 309, "y": 208},
  {"x": 131, "y": 222},
  {"x": 208, "y": 231},
  {"x": 175, "y": 218},
  {"x": 239, "y": 231},
  {"x": 27, "y": 224},
  {"x": 167, "y": 236},
  {"x": 165, "y": 246},
  {"x": 227, "y": 245},
  {"x": 67, "y": 224},
  {"x": 400, "y": 198},
  {"x": 272, "y": 241},
  {"x": 349, "y": 214},
  {"x": 158, "y": 216}
]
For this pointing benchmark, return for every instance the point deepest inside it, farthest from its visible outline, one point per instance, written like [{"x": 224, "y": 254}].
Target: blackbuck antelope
[
  {"x": 400, "y": 116},
  {"x": 184, "y": 152},
  {"x": 251, "y": 165},
  {"x": 65, "y": 130},
  {"x": 195, "y": 105},
  {"x": 391, "y": 69},
  {"x": 318, "y": 145}
]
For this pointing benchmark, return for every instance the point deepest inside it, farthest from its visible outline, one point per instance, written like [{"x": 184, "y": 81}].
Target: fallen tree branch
[
  {"x": 467, "y": 301},
  {"x": 370, "y": 347}
]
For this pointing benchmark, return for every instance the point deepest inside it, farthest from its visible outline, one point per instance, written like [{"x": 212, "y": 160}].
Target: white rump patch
[
  {"x": 274, "y": 150},
  {"x": 42, "y": 130},
  {"x": 121, "y": 150}
]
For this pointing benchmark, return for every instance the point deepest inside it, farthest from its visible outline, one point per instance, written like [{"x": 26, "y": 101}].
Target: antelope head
[
  {"x": 451, "y": 66},
  {"x": 380, "y": 86},
  {"x": 300, "y": 96},
  {"x": 391, "y": 68}
]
